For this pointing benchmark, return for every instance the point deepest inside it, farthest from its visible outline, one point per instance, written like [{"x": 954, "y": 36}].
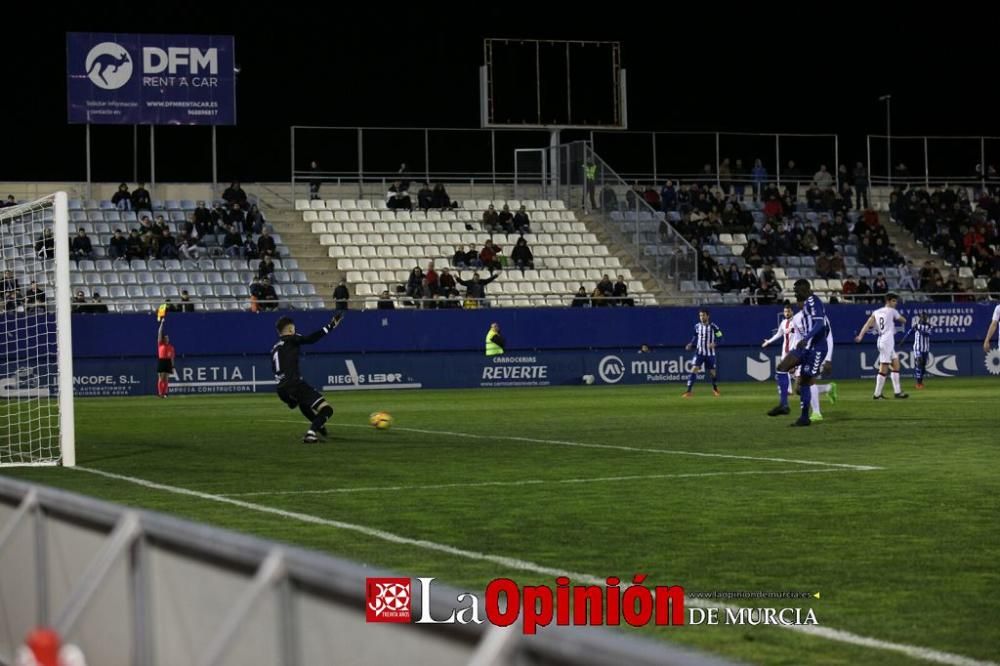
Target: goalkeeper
[{"x": 292, "y": 389}]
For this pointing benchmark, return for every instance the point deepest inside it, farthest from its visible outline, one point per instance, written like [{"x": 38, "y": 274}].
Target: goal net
[{"x": 36, "y": 372}]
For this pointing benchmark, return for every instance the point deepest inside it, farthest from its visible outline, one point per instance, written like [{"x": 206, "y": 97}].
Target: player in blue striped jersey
[
  {"x": 811, "y": 350},
  {"x": 921, "y": 330},
  {"x": 706, "y": 334}
]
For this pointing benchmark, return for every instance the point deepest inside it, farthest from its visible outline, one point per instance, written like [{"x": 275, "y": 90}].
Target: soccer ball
[{"x": 380, "y": 420}]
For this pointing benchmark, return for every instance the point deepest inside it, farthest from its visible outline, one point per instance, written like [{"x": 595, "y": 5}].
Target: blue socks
[
  {"x": 805, "y": 395},
  {"x": 782, "y": 388}
]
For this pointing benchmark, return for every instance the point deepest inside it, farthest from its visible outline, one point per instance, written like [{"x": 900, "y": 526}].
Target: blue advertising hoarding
[
  {"x": 119, "y": 78},
  {"x": 332, "y": 372}
]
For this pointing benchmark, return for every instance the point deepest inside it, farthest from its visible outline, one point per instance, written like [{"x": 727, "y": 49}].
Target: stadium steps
[
  {"x": 651, "y": 284},
  {"x": 305, "y": 248},
  {"x": 904, "y": 242}
]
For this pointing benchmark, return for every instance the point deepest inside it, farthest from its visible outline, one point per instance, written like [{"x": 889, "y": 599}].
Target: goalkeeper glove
[{"x": 336, "y": 320}]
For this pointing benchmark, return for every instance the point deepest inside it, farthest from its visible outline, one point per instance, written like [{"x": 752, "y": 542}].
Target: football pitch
[{"x": 890, "y": 510}]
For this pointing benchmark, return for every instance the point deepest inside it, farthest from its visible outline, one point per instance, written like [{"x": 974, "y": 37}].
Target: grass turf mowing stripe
[{"x": 914, "y": 651}]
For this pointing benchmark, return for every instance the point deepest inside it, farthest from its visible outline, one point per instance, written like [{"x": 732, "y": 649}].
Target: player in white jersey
[
  {"x": 884, "y": 321},
  {"x": 992, "y": 330},
  {"x": 785, "y": 333}
]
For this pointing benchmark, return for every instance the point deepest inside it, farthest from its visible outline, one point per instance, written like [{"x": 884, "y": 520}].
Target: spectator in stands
[
  {"x": 606, "y": 287},
  {"x": 250, "y": 250},
  {"x": 506, "y": 219},
  {"x": 609, "y": 199},
  {"x": 186, "y": 305},
  {"x": 134, "y": 247},
  {"x": 232, "y": 245},
  {"x": 823, "y": 267},
  {"x": 341, "y": 296},
  {"x": 314, "y": 180},
  {"x": 168, "y": 246},
  {"x": 440, "y": 198},
  {"x": 522, "y": 224},
  {"x": 849, "y": 287},
  {"x": 823, "y": 179},
  {"x": 10, "y": 201},
  {"x": 122, "y": 199},
  {"x": 425, "y": 197},
  {"x": 598, "y": 299},
  {"x": 488, "y": 256},
  {"x": 189, "y": 248},
  {"x": 34, "y": 297},
  {"x": 202, "y": 218},
  {"x": 414, "y": 281},
  {"x": 993, "y": 286},
  {"x": 45, "y": 246},
  {"x": 234, "y": 194},
  {"x": 431, "y": 276},
  {"x": 220, "y": 216},
  {"x": 880, "y": 285},
  {"x": 706, "y": 264},
  {"x": 725, "y": 176},
  {"x": 580, "y": 299},
  {"x": 254, "y": 221},
  {"x": 385, "y": 301},
  {"x": 256, "y": 288},
  {"x": 759, "y": 176},
  {"x": 425, "y": 294},
  {"x": 458, "y": 259},
  {"x": 398, "y": 198},
  {"x": 864, "y": 289},
  {"x": 96, "y": 305},
  {"x": 266, "y": 268},
  {"x": 491, "y": 219},
  {"x": 446, "y": 284},
  {"x": 10, "y": 282},
  {"x": 79, "y": 302},
  {"x": 861, "y": 185},
  {"x": 141, "y": 199},
  {"x": 651, "y": 197},
  {"x": 238, "y": 217},
  {"x": 269, "y": 297},
  {"x": 837, "y": 266},
  {"x": 475, "y": 289},
  {"x": 472, "y": 257},
  {"x": 752, "y": 255},
  {"x": 620, "y": 293},
  {"x": 521, "y": 255},
  {"x": 808, "y": 242},
  {"x": 906, "y": 276},
  {"x": 767, "y": 292},
  {"x": 792, "y": 177},
  {"x": 266, "y": 244}
]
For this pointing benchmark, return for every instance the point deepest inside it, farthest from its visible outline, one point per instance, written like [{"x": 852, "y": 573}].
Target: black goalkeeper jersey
[{"x": 285, "y": 355}]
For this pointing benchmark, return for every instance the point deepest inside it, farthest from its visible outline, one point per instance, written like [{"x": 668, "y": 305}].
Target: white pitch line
[
  {"x": 612, "y": 447},
  {"x": 914, "y": 651},
  {"x": 532, "y": 482}
]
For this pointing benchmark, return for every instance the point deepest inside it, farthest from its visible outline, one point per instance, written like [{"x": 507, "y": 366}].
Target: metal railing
[
  {"x": 133, "y": 587},
  {"x": 739, "y": 298}
]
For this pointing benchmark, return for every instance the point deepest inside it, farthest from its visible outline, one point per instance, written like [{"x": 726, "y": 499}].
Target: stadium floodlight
[{"x": 36, "y": 353}]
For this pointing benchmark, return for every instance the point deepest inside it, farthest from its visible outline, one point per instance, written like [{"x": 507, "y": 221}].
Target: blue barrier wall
[
  {"x": 335, "y": 372},
  {"x": 102, "y": 336},
  {"x": 228, "y": 352}
]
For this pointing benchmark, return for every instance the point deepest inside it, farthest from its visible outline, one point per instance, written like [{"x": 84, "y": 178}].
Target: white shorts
[{"x": 886, "y": 351}]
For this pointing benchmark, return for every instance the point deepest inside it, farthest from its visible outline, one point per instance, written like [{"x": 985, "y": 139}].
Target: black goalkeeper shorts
[
  {"x": 164, "y": 365},
  {"x": 298, "y": 393}
]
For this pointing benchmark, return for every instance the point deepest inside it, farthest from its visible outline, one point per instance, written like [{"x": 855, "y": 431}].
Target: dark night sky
[{"x": 759, "y": 69}]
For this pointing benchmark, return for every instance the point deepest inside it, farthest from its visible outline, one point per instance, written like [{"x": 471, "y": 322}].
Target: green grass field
[{"x": 593, "y": 481}]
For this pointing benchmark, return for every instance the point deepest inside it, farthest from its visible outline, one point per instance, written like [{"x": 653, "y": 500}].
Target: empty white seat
[
  {"x": 317, "y": 204},
  {"x": 309, "y": 216},
  {"x": 345, "y": 264},
  {"x": 326, "y": 216},
  {"x": 341, "y": 216},
  {"x": 302, "y": 204}
]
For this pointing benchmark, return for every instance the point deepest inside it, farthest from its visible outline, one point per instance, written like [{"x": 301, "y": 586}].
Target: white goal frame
[{"x": 63, "y": 322}]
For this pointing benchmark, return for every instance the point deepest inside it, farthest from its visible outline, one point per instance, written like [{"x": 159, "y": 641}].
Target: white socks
[
  {"x": 814, "y": 399},
  {"x": 879, "y": 384},
  {"x": 895, "y": 382}
]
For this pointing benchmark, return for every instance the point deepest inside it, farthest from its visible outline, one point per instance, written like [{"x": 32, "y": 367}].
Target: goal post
[{"x": 36, "y": 356}]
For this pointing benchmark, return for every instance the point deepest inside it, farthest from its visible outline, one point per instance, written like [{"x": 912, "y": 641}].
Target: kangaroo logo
[{"x": 108, "y": 66}]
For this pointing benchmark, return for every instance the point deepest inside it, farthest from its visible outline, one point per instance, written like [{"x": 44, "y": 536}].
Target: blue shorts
[
  {"x": 701, "y": 360},
  {"x": 810, "y": 361}
]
